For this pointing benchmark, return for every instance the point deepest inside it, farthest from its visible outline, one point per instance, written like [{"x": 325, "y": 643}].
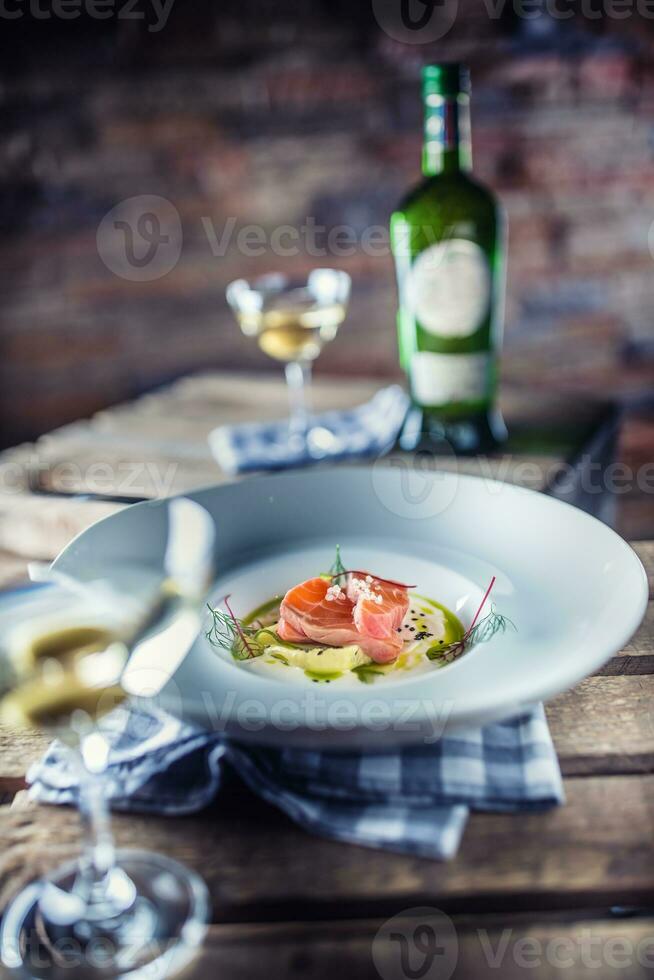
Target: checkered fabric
[
  {"x": 367, "y": 431},
  {"x": 414, "y": 800}
]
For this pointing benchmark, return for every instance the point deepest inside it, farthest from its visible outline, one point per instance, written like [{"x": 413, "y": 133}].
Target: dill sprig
[
  {"x": 489, "y": 626},
  {"x": 483, "y": 631},
  {"x": 230, "y": 633},
  {"x": 338, "y": 568},
  {"x": 479, "y": 631}
]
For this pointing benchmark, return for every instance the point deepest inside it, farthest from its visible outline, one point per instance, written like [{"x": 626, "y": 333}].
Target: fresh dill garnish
[
  {"x": 228, "y": 632},
  {"x": 481, "y": 632},
  {"x": 491, "y": 624},
  {"x": 338, "y": 568}
]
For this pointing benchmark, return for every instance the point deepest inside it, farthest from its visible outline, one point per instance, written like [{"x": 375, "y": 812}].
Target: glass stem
[
  {"x": 298, "y": 379},
  {"x": 98, "y": 856},
  {"x": 104, "y": 888}
]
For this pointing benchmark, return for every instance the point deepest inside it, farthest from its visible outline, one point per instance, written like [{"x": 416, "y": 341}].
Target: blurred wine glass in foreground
[
  {"x": 112, "y": 913},
  {"x": 292, "y": 321}
]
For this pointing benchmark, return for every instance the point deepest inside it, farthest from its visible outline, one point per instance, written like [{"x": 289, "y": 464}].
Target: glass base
[
  {"x": 425, "y": 431},
  {"x": 314, "y": 442},
  {"x": 155, "y": 937}
]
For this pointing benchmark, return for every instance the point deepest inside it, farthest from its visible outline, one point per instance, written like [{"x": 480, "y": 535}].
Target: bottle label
[
  {"x": 440, "y": 379},
  {"x": 449, "y": 288}
]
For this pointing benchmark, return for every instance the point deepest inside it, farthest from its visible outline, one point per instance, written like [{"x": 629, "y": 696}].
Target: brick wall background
[{"x": 270, "y": 112}]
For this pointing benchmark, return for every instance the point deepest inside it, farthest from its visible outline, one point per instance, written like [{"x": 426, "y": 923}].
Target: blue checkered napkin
[
  {"x": 414, "y": 800},
  {"x": 369, "y": 430}
]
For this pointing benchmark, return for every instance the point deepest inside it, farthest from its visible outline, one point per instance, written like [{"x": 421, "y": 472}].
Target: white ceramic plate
[{"x": 574, "y": 589}]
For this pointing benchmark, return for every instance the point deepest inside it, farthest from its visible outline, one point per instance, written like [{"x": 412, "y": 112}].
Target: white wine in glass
[
  {"x": 292, "y": 321},
  {"x": 112, "y": 913}
]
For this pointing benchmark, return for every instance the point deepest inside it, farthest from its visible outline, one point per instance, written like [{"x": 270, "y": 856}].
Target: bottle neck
[{"x": 446, "y": 147}]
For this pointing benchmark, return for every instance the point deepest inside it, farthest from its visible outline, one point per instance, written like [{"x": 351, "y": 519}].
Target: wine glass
[
  {"x": 110, "y": 914},
  {"x": 292, "y": 320}
]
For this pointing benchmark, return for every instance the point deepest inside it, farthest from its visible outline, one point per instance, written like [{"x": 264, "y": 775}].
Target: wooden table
[{"x": 288, "y": 904}]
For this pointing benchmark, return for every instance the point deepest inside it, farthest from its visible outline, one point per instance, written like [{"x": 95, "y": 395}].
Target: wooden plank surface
[
  {"x": 594, "y": 852},
  {"x": 157, "y": 446},
  {"x": 477, "y": 949},
  {"x": 13, "y": 569},
  {"x": 645, "y": 551},
  {"x": 19, "y": 748},
  {"x": 605, "y": 725}
]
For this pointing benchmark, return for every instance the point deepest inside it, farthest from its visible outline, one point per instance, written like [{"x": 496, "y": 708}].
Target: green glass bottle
[{"x": 448, "y": 238}]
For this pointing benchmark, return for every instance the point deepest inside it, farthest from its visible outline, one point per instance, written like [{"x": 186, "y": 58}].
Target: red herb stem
[
  {"x": 386, "y": 581},
  {"x": 239, "y": 629},
  {"x": 478, "y": 613}
]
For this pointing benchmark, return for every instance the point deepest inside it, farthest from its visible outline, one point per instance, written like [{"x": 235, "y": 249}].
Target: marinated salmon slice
[
  {"x": 307, "y": 609},
  {"x": 322, "y": 612},
  {"x": 381, "y": 651},
  {"x": 380, "y": 607},
  {"x": 290, "y": 633}
]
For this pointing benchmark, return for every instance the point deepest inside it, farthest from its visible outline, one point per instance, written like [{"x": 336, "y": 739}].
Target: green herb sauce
[
  {"x": 267, "y": 614},
  {"x": 315, "y": 675}
]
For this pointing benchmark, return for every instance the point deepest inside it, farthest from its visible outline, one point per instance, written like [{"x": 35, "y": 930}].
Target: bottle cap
[{"x": 449, "y": 78}]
